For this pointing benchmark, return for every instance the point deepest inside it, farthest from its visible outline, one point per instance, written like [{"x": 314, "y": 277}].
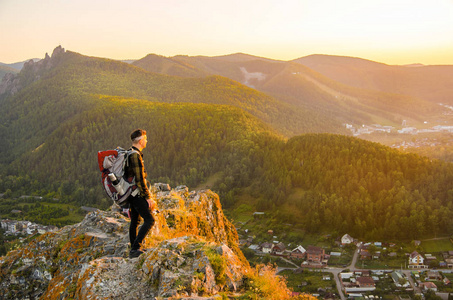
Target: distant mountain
[
  {"x": 19, "y": 65},
  {"x": 304, "y": 88},
  {"x": 432, "y": 83},
  {"x": 5, "y": 70},
  {"x": 13, "y": 68},
  {"x": 238, "y": 57},
  {"x": 164, "y": 65}
]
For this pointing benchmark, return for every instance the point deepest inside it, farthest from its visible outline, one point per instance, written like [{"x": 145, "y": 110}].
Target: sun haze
[{"x": 388, "y": 31}]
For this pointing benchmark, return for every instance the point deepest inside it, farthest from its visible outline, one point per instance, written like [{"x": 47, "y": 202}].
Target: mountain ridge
[
  {"x": 19, "y": 65},
  {"x": 303, "y": 91},
  {"x": 430, "y": 82},
  {"x": 146, "y": 85}
]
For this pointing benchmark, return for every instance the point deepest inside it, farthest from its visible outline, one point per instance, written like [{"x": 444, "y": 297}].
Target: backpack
[{"x": 112, "y": 164}]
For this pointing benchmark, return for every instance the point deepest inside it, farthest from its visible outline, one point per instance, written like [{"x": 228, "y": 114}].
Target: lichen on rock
[{"x": 192, "y": 252}]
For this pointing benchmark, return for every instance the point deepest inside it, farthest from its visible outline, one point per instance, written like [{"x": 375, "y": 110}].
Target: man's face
[{"x": 144, "y": 141}]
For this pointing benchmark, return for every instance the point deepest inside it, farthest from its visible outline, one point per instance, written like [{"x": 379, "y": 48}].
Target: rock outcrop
[
  {"x": 32, "y": 71},
  {"x": 192, "y": 252}
]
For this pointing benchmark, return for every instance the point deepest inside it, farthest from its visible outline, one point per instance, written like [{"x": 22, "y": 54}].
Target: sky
[{"x": 388, "y": 31}]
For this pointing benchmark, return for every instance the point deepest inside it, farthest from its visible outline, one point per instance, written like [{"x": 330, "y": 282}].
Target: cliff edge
[{"x": 192, "y": 253}]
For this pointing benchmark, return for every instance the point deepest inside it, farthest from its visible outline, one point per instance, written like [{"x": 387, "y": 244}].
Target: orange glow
[{"x": 388, "y": 31}]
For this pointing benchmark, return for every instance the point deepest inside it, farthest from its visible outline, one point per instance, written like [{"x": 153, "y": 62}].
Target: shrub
[{"x": 218, "y": 265}]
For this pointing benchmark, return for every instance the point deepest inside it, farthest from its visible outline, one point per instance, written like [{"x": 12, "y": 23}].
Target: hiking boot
[{"x": 135, "y": 253}]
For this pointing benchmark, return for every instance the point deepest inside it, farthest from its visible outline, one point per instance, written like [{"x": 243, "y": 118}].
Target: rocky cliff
[
  {"x": 31, "y": 71},
  {"x": 192, "y": 254}
]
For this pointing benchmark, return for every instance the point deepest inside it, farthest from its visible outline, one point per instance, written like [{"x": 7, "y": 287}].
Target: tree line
[{"x": 53, "y": 129}]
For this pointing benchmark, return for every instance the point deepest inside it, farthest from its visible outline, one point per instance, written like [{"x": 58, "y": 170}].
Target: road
[
  {"x": 411, "y": 281},
  {"x": 336, "y": 271},
  {"x": 290, "y": 262}
]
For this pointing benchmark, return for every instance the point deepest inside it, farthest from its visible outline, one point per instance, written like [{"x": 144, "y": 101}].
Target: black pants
[{"x": 139, "y": 207}]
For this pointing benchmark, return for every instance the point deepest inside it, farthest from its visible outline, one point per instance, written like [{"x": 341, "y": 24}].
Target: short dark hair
[{"x": 137, "y": 133}]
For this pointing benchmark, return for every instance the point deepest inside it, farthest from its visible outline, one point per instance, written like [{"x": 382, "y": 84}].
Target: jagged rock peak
[
  {"x": 192, "y": 252},
  {"x": 10, "y": 83},
  {"x": 31, "y": 71},
  {"x": 58, "y": 51}
]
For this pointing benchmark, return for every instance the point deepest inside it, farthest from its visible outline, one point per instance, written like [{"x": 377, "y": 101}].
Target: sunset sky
[{"x": 388, "y": 31}]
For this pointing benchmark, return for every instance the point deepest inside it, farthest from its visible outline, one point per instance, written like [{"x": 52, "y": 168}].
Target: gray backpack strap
[{"x": 126, "y": 159}]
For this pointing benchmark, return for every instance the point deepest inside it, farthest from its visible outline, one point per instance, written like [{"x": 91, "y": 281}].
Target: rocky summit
[
  {"x": 32, "y": 71},
  {"x": 192, "y": 253}
]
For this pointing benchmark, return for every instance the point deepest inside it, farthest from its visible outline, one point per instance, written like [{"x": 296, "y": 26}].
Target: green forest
[{"x": 323, "y": 182}]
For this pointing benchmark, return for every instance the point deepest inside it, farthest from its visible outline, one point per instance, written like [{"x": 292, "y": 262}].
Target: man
[{"x": 142, "y": 204}]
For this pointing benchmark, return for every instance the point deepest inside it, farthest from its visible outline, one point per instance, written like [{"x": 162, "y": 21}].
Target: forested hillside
[
  {"x": 186, "y": 143},
  {"x": 53, "y": 127},
  {"x": 329, "y": 181},
  {"x": 324, "y": 182},
  {"x": 75, "y": 74}
]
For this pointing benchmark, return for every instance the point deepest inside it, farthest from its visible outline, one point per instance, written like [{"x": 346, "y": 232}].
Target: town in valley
[{"x": 343, "y": 267}]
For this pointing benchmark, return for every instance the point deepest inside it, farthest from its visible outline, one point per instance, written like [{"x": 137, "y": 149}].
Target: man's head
[{"x": 139, "y": 139}]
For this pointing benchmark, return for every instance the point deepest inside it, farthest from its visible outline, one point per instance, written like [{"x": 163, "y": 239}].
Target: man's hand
[{"x": 152, "y": 204}]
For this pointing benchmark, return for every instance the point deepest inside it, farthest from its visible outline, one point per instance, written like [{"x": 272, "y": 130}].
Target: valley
[
  {"x": 318, "y": 156},
  {"x": 328, "y": 274}
]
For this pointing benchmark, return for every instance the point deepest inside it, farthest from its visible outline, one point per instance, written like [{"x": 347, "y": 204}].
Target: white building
[
  {"x": 346, "y": 275},
  {"x": 346, "y": 239},
  {"x": 444, "y": 128},
  {"x": 416, "y": 260},
  {"x": 13, "y": 227},
  {"x": 266, "y": 247},
  {"x": 298, "y": 252},
  {"x": 408, "y": 130},
  {"x": 254, "y": 247},
  {"x": 399, "y": 279}
]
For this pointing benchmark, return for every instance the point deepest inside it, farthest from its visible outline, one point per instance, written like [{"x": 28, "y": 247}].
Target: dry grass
[{"x": 263, "y": 283}]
